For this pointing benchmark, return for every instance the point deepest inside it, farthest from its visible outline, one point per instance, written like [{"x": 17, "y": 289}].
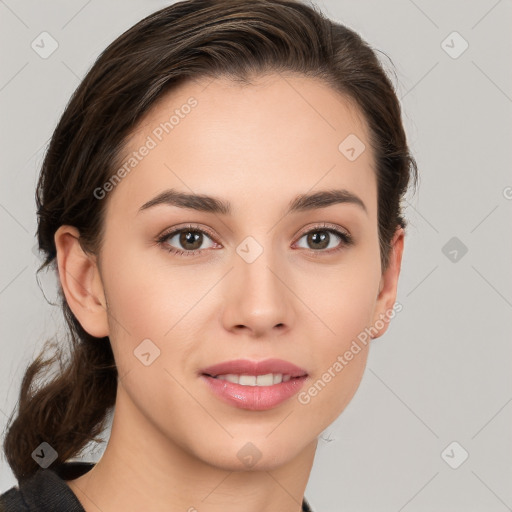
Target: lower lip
[{"x": 254, "y": 398}]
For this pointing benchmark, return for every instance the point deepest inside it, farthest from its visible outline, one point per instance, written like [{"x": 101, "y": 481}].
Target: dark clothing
[{"x": 47, "y": 491}]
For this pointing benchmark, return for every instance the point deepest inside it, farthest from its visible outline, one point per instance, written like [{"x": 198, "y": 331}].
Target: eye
[
  {"x": 325, "y": 238},
  {"x": 189, "y": 240}
]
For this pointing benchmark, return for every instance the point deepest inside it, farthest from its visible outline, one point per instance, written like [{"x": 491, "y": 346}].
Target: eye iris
[
  {"x": 323, "y": 239},
  {"x": 189, "y": 237}
]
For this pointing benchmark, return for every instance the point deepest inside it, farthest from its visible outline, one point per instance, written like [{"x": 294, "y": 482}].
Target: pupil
[
  {"x": 188, "y": 237},
  {"x": 322, "y": 238}
]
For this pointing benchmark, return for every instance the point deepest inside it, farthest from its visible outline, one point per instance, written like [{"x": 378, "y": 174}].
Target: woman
[{"x": 221, "y": 200}]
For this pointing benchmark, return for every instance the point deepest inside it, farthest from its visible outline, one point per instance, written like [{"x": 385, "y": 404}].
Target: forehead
[{"x": 282, "y": 135}]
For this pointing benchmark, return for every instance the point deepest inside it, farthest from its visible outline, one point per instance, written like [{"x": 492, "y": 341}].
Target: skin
[{"x": 174, "y": 444}]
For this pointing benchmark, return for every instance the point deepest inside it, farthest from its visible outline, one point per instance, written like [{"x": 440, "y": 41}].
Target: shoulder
[{"x": 45, "y": 490}]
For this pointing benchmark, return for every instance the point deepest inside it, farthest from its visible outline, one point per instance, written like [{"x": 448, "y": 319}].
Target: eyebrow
[{"x": 209, "y": 204}]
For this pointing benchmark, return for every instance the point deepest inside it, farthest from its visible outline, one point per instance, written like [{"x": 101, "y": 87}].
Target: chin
[{"x": 256, "y": 453}]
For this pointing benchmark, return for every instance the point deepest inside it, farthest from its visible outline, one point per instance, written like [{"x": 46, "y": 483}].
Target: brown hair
[{"x": 190, "y": 39}]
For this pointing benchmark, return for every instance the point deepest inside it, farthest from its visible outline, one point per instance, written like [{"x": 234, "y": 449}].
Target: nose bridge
[
  {"x": 258, "y": 298},
  {"x": 253, "y": 266}
]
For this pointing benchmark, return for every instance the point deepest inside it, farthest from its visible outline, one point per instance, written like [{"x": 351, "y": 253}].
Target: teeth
[
  {"x": 252, "y": 380},
  {"x": 247, "y": 380},
  {"x": 231, "y": 378},
  {"x": 265, "y": 380}
]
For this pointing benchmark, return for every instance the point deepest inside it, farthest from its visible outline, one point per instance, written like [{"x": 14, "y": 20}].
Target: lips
[
  {"x": 254, "y": 385},
  {"x": 247, "y": 367}
]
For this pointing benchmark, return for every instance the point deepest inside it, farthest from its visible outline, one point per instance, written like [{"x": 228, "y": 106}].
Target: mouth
[
  {"x": 254, "y": 385},
  {"x": 245, "y": 370},
  {"x": 268, "y": 379}
]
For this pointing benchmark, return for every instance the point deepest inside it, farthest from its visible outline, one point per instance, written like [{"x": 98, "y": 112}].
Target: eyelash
[{"x": 346, "y": 239}]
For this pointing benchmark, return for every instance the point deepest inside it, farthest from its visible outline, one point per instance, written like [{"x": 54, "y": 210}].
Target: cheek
[
  {"x": 327, "y": 395},
  {"x": 338, "y": 358},
  {"x": 159, "y": 302},
  {"x": 344, "y": 307},
  {"x": 342, "y": 299},
  {"x": 148, "y": 298}
]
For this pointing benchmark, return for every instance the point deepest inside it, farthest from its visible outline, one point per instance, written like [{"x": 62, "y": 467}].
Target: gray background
[{"x": 442, "y": 372}]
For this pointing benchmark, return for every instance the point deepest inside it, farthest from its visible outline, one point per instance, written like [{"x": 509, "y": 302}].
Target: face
[{"x": 255, "y": 276}]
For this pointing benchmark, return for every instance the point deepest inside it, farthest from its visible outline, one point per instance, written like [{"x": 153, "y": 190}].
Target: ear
[
  {"x": 81, "y": 282},
  {"x": 388, "y": 286}
]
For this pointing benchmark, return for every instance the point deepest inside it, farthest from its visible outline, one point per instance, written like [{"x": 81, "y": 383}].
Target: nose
[{"x": 258, "y": 299}]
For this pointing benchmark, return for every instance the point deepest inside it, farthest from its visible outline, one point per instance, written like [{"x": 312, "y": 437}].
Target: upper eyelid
[
  {"x": 173, "y": 231},
  {"x": 327, "y": 226}
]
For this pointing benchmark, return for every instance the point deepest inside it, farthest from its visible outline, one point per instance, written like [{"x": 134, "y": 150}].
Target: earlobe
[
  {"x": 81, "y": 282},
  {"x": 388, "y": 285}
]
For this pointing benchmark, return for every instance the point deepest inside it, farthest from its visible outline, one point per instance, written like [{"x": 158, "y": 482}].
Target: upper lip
[{"x": 248, "y": 367}]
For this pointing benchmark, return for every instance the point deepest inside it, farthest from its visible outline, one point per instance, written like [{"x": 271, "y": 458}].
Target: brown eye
[
  {"x": 190, "y": 240},
  {"x": 318, "y": 239},
  {"x": 185, "y": 241},
  {"x": 326, "y": 240}
]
